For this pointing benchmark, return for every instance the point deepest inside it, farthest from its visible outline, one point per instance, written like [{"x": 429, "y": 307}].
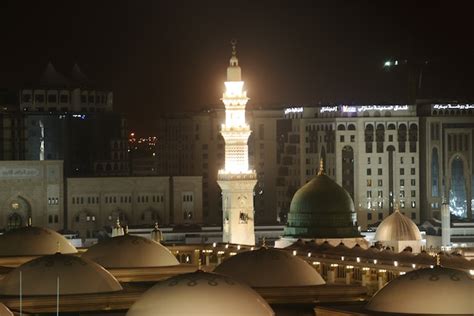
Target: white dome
[
  {"x": 269, "y": 267},
  {"x": 397, "y": 227},
  {"x": 200, "y": 294},
  {"x": 437, "y": 291},
  {"x": 130, "y": 251},
  {"x": 33, "y": 241},
  {"x": 76, "y": 276}
]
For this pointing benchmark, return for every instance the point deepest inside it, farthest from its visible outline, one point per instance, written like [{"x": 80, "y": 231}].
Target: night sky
[{"x": 160, "y": 57}]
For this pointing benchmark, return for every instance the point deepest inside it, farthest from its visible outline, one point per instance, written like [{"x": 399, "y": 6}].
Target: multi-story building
[
  {"x": 447, "y": 155},
  {"x": 70, "y": 120},
  {"x": 143, "y": 155},
  {"x": 372, "y": 151},
  {"x": 12, "y": 127}
]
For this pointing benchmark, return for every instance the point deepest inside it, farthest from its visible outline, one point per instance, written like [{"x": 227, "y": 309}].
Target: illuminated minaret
[{"x": 236, "y": 180}]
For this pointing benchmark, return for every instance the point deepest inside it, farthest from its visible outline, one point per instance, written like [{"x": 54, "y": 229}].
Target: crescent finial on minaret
[{"x": 233, "y": 42}]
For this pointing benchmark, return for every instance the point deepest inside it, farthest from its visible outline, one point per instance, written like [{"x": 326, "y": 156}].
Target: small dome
[
  {"x": 397, "y": 227},
  {"x": 33, "y": 241},
  {"x": 437, "y": 291},
  {"x": 130, "y": 251},
  {"x": 76, "y": 276},
  {"x": 270, "y": 268},
  {"x": 322, "y": 209},
  {"x": 201, "y": 294}
]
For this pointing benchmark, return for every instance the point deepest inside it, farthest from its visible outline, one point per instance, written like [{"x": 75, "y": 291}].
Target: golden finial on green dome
[{"x": 321, "y": 167}]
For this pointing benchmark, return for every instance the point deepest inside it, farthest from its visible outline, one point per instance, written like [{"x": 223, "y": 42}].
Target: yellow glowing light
[{"x": 234, "y": 89}]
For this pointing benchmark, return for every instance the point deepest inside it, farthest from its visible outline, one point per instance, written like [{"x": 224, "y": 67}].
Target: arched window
[
  {"x": 434, "y": 173},
  {"x": 14, "y": 221},
  {"x": 457, "y": 192},
  {"x": 351, "y": 127},
  {"x": 341, "y": 127}
]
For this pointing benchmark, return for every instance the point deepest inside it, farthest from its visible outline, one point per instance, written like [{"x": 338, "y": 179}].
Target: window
[
  {"x": 368, "y": 160},
  {"x": 380, "y": 216},
  {"x": 412, "y": 160},
  {"x": 83, "y": 99},
  {"x": 369, "y": 182},
  {"x": 401, "y": 160},
  {"x": 413, "y": 215},
  {"x": 402, "y": 193},
  {"x": 412, "y": 171},
  {"x": 369, "y": 171},
  {"x": 369, "y": 194},
  {"x": 352, "y": 138},
  {"x": 379, "y": 171},
  {"x": 341, "y": 138},
  {"x": 413, "y": 182},
  {"x": 380, "y": 194},
  {"x": 39, "y": 98},
  {"x": 390, "y": 138},
  {"x": 413, "y": 193},
  {"x": 50, "y": 219},
  {"x": 380, "y": 160},
  {"x": 261, "y": 131},
  {"x": 63, "y": 98},
  {"x": 52, "y": 98},
  {"x": 402, "y": 204},
  {"x": 402, "y": 171},
  {"x": 56, "y": 218},
  {"x": 413, "y": 204},
  {"x": 380, "y": 182},
  {"x": 402, "y": 182},
  {"x": 369, "y": 216}
]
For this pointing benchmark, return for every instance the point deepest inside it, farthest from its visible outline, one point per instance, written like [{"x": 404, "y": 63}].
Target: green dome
[{"x": 322, "y": 209}]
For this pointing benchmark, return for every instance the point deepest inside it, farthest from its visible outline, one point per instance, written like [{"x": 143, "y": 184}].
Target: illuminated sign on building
[
  {"x": 453, "y": 106},
  {"x": 293, "y": 110},
  {"x": 328, "y": 109},
  {"x": 363, "y": 108}
]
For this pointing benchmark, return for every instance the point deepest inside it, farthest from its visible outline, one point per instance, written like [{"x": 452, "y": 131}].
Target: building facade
[
  {"x": 95, "y": 203},
  {"x": 67, "y": 119},
  {"x": 447, "y": 142},
  {"x": 379, "y": 153},
  {"x": 31, "y": 190}
]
